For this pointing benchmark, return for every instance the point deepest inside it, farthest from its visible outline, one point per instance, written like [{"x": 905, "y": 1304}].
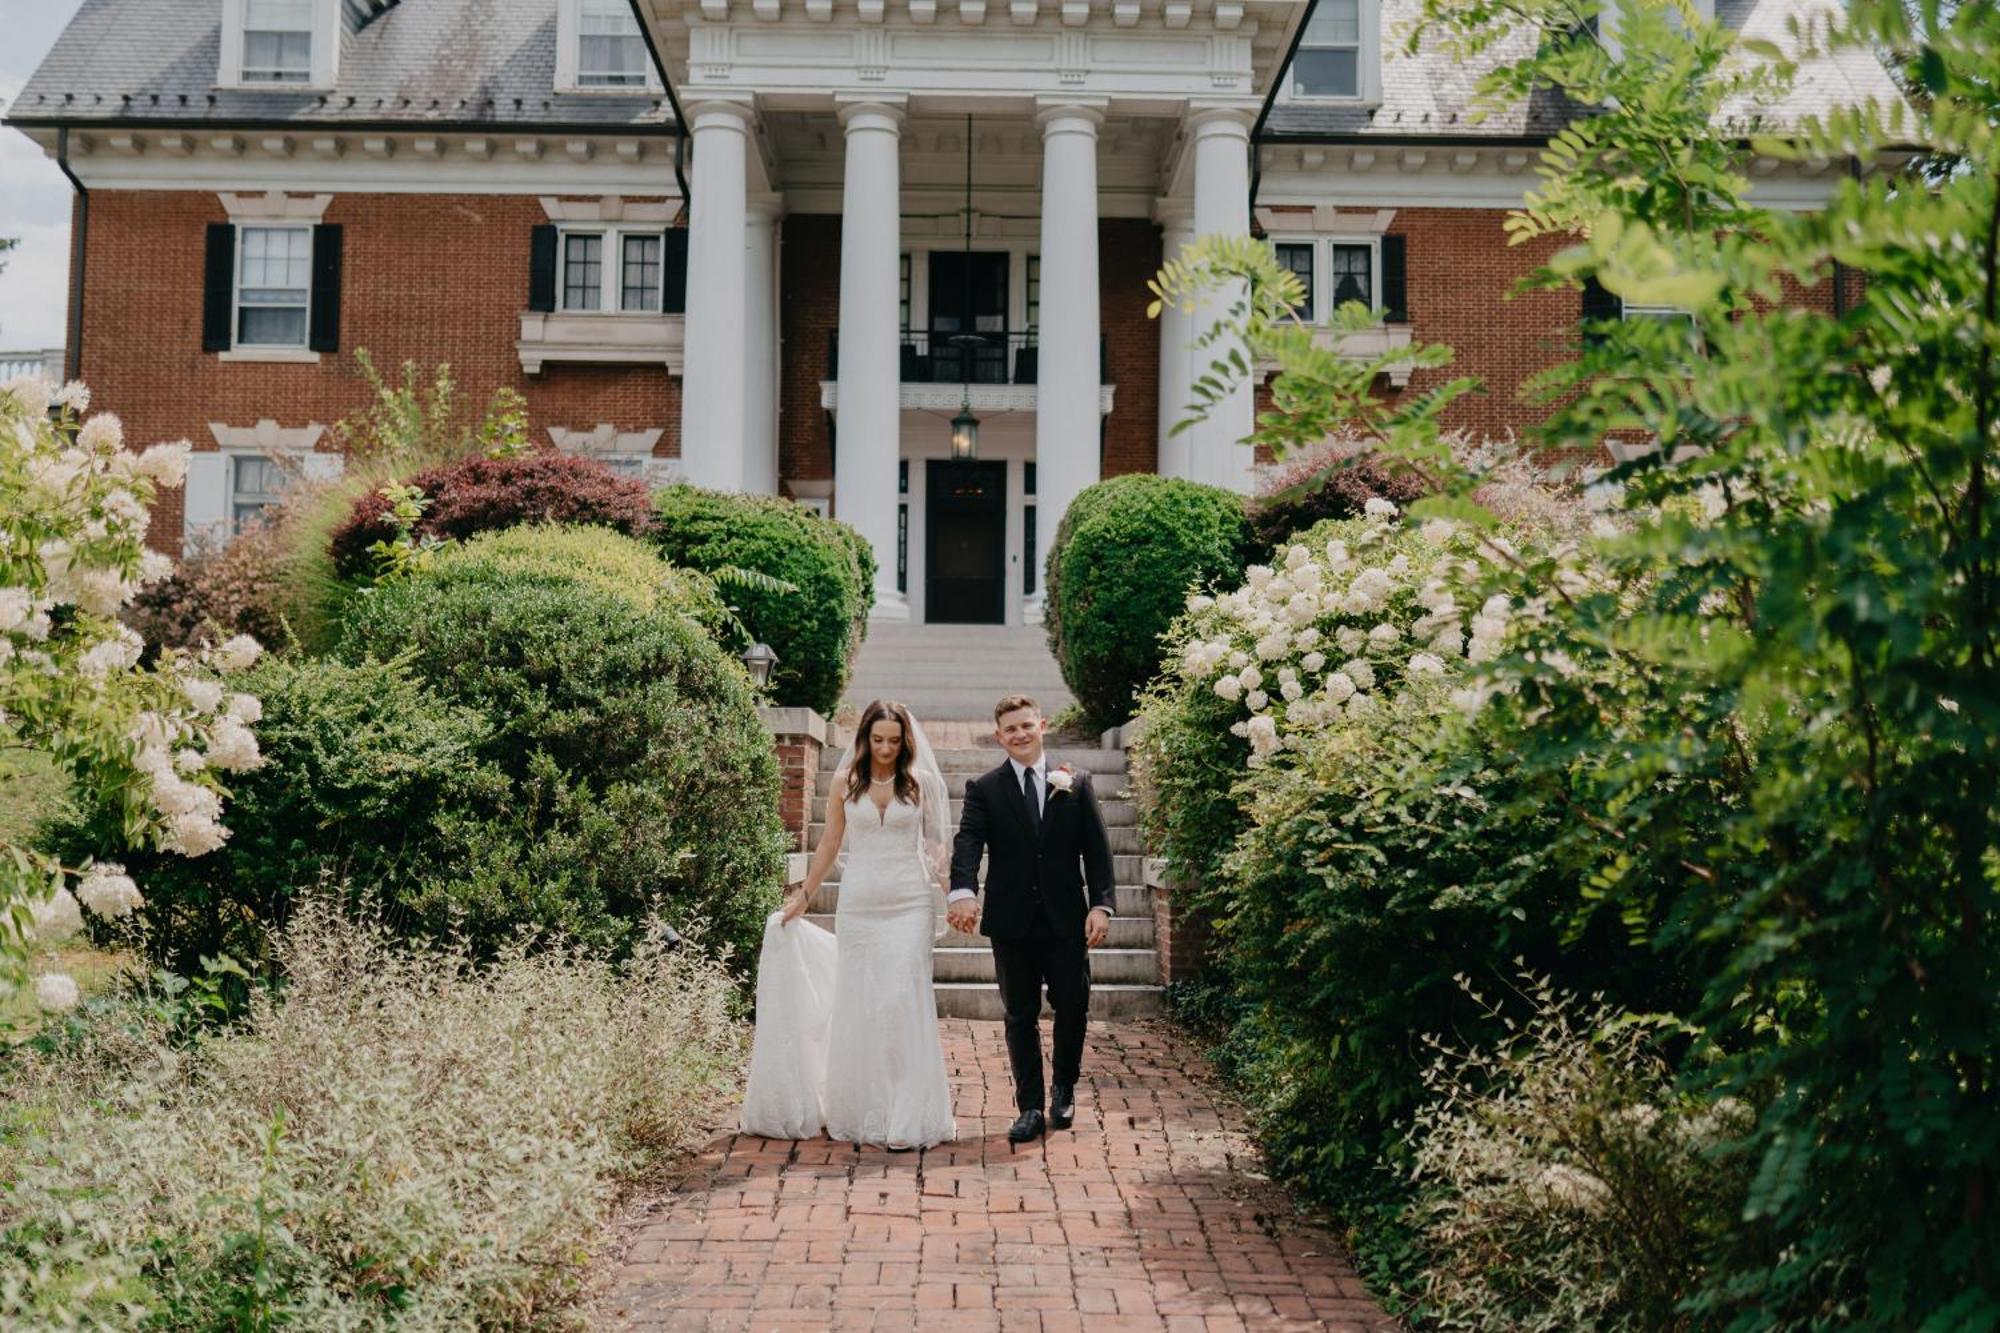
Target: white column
[
  {"x": 713, "y": 446},
  {"x": 1067, "y": 394},
  {"x": 1176, "y": 355},
  {"x": 1222, "y": 207},
  {"x": 868, "y": 392},
  {"x": 760, "y": 355}
]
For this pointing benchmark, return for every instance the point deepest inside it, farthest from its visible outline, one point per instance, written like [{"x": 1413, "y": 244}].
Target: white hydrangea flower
[
  {"x": 1340, "y": 687},
  {"x": 1369, "y": 591},
  {"x": 231, "y": 747},
  {"x": 1238, "y": 659},
  {"x": 1291, "y": 690},
  {"x": 55, "y": 918},
  {"x": 1251, "y": 677},
  {"x": 1361, "y": 705},
  {"x": 1336, "y": 556},
  {"x": 1438, "y": 531},
  {"x": 246, "y": 708},
  {"x": 1377, "y": 507},
  {"x": 1307, "y": 638},
  {"x": 237, "y": 654},
  {"x": 1257, "y": 701},
  {"x": 57, "y": 993},
  {"x": 1199, "y": 601},
  {"x": 1258, "y": 575},
  {"x": 16, "y": 605},
  {"x": 204, "y": 694},
  {"x": 108, "y": 891},
  {"x": 102, "y": 434},
  {"x": 1309, "y": 579},
  {"x": 1448, "y": 642},
  {"x": 1302, "y": 609},
  {"x": 1384, "y": 635},
  {"x": 1349, "y": 639},
  {"x": 1274, "y": 645},
  {"x": 1434, "y": 596},
  {"x": 189, "y": 761},
  {"x": 164, "y": 464},
  {"x": 194, "y": 835},
  {"x": 1426, "y": 664},
  {"x": 120, "y": 652},
  {"x": 74, "y": 395},
  {"x": 1263, "y": 732},
  {"x": 1229, "y": 687},
  {"x": 154, "y": 566},
  {"x": 1239, "y": 728},
  {"x": 1399, "y": 567},
  {"x": 37, "y": 626},
  {"x": 1313, "y": 661},
  {"x": 1296, "y": 556},
  {"x": 31, "y": 392},
  {"x": 1470, "y": 699},
  {"x": 1361, "y": 672}
]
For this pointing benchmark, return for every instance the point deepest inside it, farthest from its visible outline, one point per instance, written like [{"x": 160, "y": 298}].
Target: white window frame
[
  {"x": 238, "y": 496},
  {"x": 1322, "y": 283},
  {"x": 569, "y": 58},
  {"x": 1368, "y": 66},
  {"x": 325, "y": 59},
  {"x": 611, "y": 280},
  {"x": 236, "y": 343}
]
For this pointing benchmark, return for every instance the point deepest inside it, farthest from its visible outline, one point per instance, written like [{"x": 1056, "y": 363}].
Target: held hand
[
  {"x": 1096, "y": 927},
  {"x": 963, "y": 915},
  {"x": 796, "y": 903}
]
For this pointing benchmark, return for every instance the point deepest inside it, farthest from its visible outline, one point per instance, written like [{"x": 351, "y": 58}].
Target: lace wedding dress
[{"x": 847, "y": 1034}]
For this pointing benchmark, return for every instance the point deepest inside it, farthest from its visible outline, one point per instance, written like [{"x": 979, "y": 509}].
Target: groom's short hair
[{"x": 1013, "y": 703}]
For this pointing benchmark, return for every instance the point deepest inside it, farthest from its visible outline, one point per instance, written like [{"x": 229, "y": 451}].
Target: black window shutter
[
  {"x": 1396, "y": 279},
  {"x": 324, "y": 335},
  {"x": 1599, "y": 303},
  {"x": 674, "y": 273},
  {"x": 542, "y": 269},
  {"x": 218, "y": 286}
]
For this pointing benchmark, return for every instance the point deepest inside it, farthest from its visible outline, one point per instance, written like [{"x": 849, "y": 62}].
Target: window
[
  {"x": 254, "y": 484},
  {"x": 904, "y": 294},
  {"x": 273, "y": 286},
  {"x": 1028, "y": 570},
  {"x": 903, "y": 509},
  {"x": 611, "y": 53},
  {"x": 277, "y": 41},
  {"x": 1034, "y": 293},
  {"x": 1352, "y": 274},
  {"x": 1298, "y": 257},
  {"x": 612, "y": 270},
  {"x": 1328, "y": 63}
]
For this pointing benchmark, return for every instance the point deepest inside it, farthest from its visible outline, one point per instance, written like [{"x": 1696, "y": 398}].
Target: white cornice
[
  {"x": 318, "y": 158},
  {"x": 946, "y": 397},
  {"x": 275, "y": 206},
  {"x": 611, "y": 208},
  {"x": 267, "y": 436}
]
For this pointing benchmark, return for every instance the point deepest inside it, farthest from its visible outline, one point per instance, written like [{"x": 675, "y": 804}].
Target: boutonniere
[{"x": 1061, "y": 780}]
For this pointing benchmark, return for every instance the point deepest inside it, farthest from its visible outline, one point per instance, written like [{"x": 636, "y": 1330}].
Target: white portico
[{"x": 1078, "y": 111}]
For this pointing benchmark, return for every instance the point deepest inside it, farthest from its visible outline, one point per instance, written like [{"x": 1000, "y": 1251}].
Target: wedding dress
[{"x": 847, "y": 1034}]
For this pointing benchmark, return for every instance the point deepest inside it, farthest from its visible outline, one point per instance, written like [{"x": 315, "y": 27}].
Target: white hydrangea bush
[
  {"x": 156, "y": 739},
  {"x": 1355, "y": 612}
]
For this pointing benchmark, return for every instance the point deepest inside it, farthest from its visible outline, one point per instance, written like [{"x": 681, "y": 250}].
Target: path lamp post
[{"x": 758, "y": 659}]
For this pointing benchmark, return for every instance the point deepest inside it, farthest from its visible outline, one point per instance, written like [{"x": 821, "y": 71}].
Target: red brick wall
[
  {"x": 425, "y": 278},
  {"x": 1128, "y": 254},
  {"x": 798, "y": 771},
  {"x": 808, "y": 313}
]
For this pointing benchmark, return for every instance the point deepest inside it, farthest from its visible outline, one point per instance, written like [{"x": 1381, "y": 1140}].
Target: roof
[
  {"x": 1431, "y": 94},
  {"x": 442, "y": 63}
]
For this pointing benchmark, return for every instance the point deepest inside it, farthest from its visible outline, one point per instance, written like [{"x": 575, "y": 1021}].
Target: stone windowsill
[
  {"x": 296, "y": 356},
  {"x": 601, "y": 338},
  {"x": 1363, "y": 346}
]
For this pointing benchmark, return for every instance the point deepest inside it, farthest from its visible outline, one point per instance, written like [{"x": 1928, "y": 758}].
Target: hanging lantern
[{"x": 965, "y": 433}]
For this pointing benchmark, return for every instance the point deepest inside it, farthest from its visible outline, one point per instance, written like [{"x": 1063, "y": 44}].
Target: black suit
[{"x": 1039, "y": 888}]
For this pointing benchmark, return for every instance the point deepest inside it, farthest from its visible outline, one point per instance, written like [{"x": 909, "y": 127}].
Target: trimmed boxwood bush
[
  {"x": 1126, "y": 554},
  {"x": 480, "y": 494},
  {"x": 368, "y": 777},
  {"x": 816, "y": 629},
  {"x": 639, "y": 772},
  {"x": 1321, "y": 486}
]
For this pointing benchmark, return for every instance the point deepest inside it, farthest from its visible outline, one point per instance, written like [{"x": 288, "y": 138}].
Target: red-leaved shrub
[
  {"x": 481, "y": 494},
  {"x": 1334, "y": 482},
  {"x": 217, "y": 592}
]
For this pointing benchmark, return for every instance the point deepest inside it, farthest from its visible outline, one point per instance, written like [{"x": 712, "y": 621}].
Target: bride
[{"x": 847, "y": 1035}]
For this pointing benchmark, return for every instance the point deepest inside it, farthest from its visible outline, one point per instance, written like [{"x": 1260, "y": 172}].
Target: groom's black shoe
[
  {"x": 1027, "y": 1129},
  {"x": 1062, "y": 1107}
]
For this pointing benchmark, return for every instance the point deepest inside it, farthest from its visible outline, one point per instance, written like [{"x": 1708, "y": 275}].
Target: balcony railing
[{"x": 1011, "y": 357}]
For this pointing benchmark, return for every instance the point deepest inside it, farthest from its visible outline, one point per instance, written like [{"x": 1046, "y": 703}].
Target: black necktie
[{"x": 1034, "y": 804}]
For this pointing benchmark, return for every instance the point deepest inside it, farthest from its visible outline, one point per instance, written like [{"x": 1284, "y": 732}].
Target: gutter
[
  {"x": 673, "y": 100},
  {"x": 1270, "y": 99},
  {"x": 79, "y": 239}
]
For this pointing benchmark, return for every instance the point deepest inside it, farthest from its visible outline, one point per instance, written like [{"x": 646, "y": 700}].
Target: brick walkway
[{"x": 1150, "y": 1214}]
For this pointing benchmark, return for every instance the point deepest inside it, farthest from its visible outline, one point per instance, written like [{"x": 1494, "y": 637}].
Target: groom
[{"x": 1045, "y": 842}]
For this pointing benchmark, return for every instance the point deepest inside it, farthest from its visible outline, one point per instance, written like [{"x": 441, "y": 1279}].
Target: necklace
[{"x": 880, "y": 782}]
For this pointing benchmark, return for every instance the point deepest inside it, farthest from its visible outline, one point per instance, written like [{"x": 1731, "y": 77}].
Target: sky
[{"x": 34, "y": 196}]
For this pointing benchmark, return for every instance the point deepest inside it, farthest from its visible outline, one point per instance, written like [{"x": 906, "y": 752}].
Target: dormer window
[
  {"x": 1339, "y": 54},
  {"x": 611, "y": 53},
  {"x": 277, "y": 41}
]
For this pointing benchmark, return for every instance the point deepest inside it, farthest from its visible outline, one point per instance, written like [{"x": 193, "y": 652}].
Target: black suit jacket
[{"x": 1063, "y": 874}]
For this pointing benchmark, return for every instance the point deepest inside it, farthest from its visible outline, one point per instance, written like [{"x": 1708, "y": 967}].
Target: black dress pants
[{"x": 1024, "y": 967}]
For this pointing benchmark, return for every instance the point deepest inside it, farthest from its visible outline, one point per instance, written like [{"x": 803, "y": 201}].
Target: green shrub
[
  {"x": 366, "y": 775},
  {"x": 641, "y": 776},
  {"x": 815, "y": 629},
  {"x": 400, "y": 1139},
  {"x": 1123, "y": 561}
]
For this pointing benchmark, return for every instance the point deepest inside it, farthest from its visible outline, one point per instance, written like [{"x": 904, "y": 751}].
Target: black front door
[
  {"x": 968, "y": 333},
  {"x": 965, "y": 582}
]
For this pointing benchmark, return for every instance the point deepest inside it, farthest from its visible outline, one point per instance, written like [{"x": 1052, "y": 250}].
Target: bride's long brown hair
[{"x": 861, "y": 768}]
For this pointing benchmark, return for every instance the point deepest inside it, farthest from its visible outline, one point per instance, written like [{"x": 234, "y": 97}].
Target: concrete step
[
  {"x": 981, "y": 999},
  {"x": 972, "y": 761},
  {"x": 1124, "y": 838},
  {"x": 1111, "y": 967},
  {"x": 1129, "y": 899},
  {"x": 1117, "y": 813},
  {"x": 1126, "y": 932}
]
